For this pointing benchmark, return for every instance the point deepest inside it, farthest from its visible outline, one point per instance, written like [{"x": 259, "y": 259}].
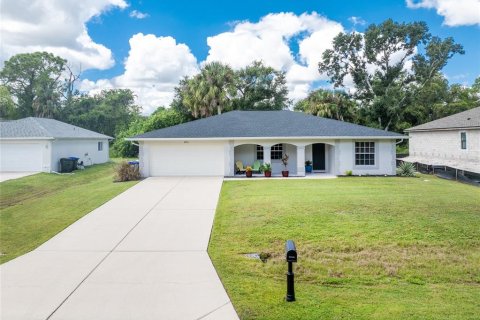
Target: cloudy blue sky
[{"x": 148, "y": 46}]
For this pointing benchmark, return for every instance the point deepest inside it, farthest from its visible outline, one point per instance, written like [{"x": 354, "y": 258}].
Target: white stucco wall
[
  {"x": 218, "y": 157},
  {"x": 444, "y": 144},
  {"x": 85, "y": 149},
  {"x": 385, "y": 157},
  {"x": 246, "y": 153}
]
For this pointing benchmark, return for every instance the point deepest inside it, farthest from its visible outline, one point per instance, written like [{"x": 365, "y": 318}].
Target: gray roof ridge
[{"x": 48, "y": 133}]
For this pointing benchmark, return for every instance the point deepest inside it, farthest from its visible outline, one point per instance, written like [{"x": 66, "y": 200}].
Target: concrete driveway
[
  {"x": 4, "y": 176},
  {"x": 141, "y": 255}
]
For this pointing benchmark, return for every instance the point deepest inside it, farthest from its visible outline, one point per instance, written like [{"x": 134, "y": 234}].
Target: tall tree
[
  {"x": 208, "y": 92},
  {"x": 329, "y": 104},
  {"x": 35, "y": 80},
  {"x": 107, "y": 112},
  {"x": 216, "y": 80},
  {"x": 259, "y": 87},
  {"x": 218, "y": 88},
  {"x": 376, "y": 62},
  {"x": 7, "y": 106}
]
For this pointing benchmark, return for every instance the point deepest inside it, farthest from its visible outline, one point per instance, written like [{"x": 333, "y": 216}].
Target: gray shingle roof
[
  {"x": 45, "y": 128},
  {"x": 465, "y": 119},
  {"x": 238, "y": 124}
]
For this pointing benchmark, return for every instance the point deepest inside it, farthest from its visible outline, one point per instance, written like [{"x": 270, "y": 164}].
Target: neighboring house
[
  {"x": 452, "y": 141},
  {"x": 37, "y": 144},
  {"x": 213, "y": 145}
]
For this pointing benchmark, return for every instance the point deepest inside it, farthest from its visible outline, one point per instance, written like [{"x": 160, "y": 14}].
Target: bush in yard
[
  {"x": 406, "y": 169},
  {"x": 126, "y": 172}
]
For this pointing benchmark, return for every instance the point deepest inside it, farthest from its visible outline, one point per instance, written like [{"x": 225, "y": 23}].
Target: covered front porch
[{"x": 321, "y": 154}]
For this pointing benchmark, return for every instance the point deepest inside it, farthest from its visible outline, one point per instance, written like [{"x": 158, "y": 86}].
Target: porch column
[
  {"x": 301, "y": 161},
  {"x": 143, "y": 157},
  {"x": 267, "y": 154},
  {"x": 229, "y": 159}
]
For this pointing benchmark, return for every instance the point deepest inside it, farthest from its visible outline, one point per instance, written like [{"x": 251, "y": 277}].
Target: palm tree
[
  {"x": 208, "y": 92},
  {"x": 329, "y": 104},
  {"x": 216, "y": 81}
]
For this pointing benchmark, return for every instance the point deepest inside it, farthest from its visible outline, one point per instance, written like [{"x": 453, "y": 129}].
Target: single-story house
[
  {"x": 37, "y": 144},
  {"x": 213, "y": 145},
  {"x": 453, "y": 141}
]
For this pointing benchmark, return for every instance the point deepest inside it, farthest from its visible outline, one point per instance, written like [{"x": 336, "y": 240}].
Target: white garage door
[
  {"x": 186, "y": 159},
  {"x": 21, "y": 157}
]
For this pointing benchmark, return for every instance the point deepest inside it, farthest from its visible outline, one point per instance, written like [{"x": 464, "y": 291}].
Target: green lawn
[
  {"x": 35, "y": 208},
  {"x": 369, "y": 248}
]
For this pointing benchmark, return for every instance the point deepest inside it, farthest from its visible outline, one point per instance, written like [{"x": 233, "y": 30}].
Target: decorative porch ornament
[{"x": 285, "y": 163}]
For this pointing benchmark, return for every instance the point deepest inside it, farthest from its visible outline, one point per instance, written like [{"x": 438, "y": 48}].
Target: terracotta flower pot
[
  {"x": 268, "y": 173},
  {"x": 248, "y": 174},
  {"x": 285, "y": 173}
]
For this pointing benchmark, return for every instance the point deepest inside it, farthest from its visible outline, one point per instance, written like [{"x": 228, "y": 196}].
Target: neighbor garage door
[
  {"x": 192, "y": 158},
  {"x": 21, "y": 157}
]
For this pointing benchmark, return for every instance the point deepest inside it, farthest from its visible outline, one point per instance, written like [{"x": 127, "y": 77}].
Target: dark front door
[{"x": 318, "y": 153}]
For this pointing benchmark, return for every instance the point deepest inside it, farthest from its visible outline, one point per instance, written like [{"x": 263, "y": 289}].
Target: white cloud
[
  {"x": 455, "y": 12},
  {"x": 270, "y": 40},
  {"x": 155, "y": 65},
  {"x": 138, "y": 15},
  {"x": 153, "y": 68},
  {"x": 357, "y": 21},
  {"x": 56, "y": 26}
]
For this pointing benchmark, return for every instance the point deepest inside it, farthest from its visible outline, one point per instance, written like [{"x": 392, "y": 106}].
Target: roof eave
[
  {"x": 272, "y": 138},
  {"x": 56, "y": 138},
  {"x": 442, "y": 129},
  {"x": 27, "y": 138}
]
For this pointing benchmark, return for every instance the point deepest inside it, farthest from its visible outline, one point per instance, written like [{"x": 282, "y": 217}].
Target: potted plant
[
  {"x": 248, "y": 171},
  {"x": 285, "y": 163},
  {"x": 266, "y": 168},
  {"x": 308, "y": 166}
]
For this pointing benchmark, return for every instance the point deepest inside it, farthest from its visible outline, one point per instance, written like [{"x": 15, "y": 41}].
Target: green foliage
[
  {"x": 7, "y": 106},
  {"x": 389, "y": 89},
  {"x": 406, "y": 169},
  {"x": 308, "y": 163},
  {"x": 259, "y": 87},
  {"x": 402, "y": 148},
  {"x": 218, "y": 88},
  {"x": 207, "y": 93},
  {"x": 126, "y": 172},
  {"x": 107, "y": 112},
  {"x": 35, "y": 80},
  {"x": 161, "y": 118},
  {"x": 266, "y": 167},
  {"x": 329, "y": 104},
  {"x": 349, "y": 173}
]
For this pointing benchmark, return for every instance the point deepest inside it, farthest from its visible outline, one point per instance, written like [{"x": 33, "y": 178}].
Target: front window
[
  {"x": 100, "y": 146},
  {"x": 259, "y": 152},
  {"x": 463, "y": 140},
  {"x": 365, "y": 153},
  {"x": 277, "y": 152}
]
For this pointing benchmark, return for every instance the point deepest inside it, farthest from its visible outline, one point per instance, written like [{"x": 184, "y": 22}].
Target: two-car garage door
[
  {"x": 186, "y": 159},
  {"x": 21, "y": 157}
]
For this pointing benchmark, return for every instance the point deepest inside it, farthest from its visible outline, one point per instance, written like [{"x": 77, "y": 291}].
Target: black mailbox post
[{"x": 291, "y": 256}]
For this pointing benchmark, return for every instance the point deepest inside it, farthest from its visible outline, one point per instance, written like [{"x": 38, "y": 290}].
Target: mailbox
[
  {"x": 290, "y": 256},
  {"x": 291, "y": 251}
]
